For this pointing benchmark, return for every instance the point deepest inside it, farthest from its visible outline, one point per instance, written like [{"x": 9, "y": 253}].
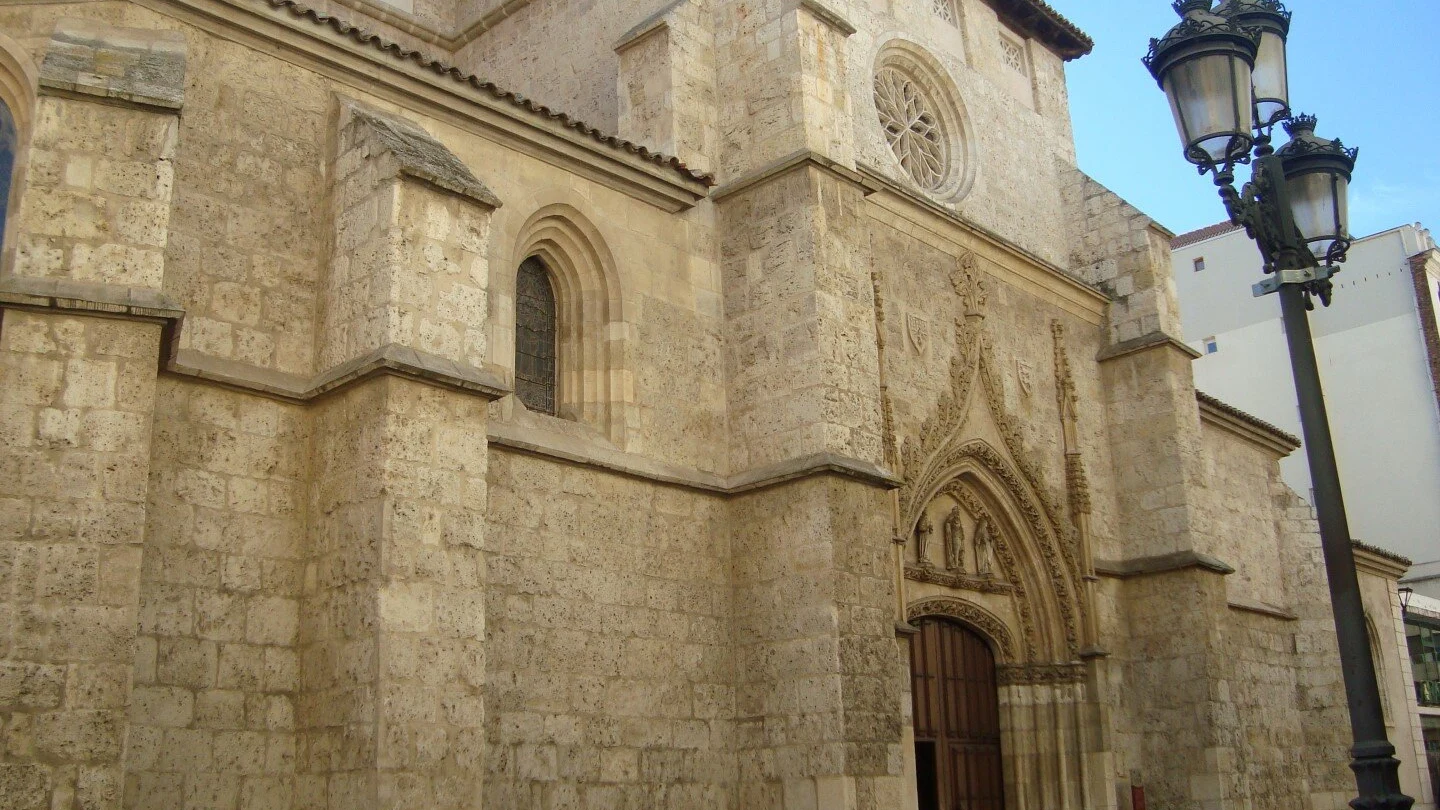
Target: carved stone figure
[
  {"x": 984, "y": 548},
  {"x": 923, "y": 530},
  {"x": 954, "y": 541}
]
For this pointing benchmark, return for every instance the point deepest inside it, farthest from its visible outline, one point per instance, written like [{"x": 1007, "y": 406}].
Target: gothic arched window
[
  {"x": 9, "y": 143},
  {"x": 535, "y": 337}
]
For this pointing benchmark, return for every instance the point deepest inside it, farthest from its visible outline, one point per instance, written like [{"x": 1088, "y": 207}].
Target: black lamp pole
[{"x": 1223, "y": 70}]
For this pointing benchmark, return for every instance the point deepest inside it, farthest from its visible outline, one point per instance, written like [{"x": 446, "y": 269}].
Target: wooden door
[{"x": 957, "y": 719}]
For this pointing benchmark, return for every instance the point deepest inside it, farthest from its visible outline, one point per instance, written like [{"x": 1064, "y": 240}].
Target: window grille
[
  {"x": 945, "y": 10},
  {"x": 1199, "y": 264},
  {"x": 535, "y": 337},
  {"x": 1013, "y": 55}
]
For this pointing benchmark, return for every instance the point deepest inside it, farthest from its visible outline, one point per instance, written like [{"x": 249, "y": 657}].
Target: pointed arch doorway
[{"x": 957, "y": 718}]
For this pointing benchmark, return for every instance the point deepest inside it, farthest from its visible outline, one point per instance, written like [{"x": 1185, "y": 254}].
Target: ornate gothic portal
[
  {"x": 957, "y": 719},
  {"x": 1005, "y": 712}
]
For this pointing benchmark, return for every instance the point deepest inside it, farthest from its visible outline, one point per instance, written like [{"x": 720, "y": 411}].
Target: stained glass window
[
  {"x": 8, "y": 144},
  {"x": 535, "y": 337}
]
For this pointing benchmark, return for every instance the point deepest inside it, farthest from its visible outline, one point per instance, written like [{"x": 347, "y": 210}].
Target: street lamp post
[{"x": 1224, "y": 72}]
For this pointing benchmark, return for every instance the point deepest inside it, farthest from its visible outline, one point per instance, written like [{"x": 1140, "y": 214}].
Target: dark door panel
[{"x": 957, "y": 719}]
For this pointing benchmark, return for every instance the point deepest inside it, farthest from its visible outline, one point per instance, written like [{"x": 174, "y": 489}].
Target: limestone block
[{"x": 129, "y": 64}]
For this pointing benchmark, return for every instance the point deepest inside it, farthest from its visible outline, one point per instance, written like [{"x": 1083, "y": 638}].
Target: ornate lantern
[
  {"x": 1317, "y": 176},
  {"x": 1204, "y": 65},
  {"x": 1270, "y": 79}
]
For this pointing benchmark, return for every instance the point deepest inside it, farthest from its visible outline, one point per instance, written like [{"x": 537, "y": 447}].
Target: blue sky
[{"x": 1369, "y": 70}]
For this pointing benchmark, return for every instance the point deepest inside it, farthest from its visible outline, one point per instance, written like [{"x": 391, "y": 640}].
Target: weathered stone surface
[
  {"x": 143, "y": 66},
  {"x": 325, "y": 561}
]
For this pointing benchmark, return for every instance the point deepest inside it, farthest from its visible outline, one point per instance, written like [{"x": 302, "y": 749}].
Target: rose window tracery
[{"x": 912, "y": 128}]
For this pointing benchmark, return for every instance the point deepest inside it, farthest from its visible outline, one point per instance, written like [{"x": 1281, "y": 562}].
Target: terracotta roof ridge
[
  {"x": 1201, "y": 234},
  {"x": 1045, "y": 23},
  {"x": 363, "y": 36},
  {"x": 1252, "y": 420}
]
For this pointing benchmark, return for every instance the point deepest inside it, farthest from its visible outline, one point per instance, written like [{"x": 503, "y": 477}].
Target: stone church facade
[{"x": 375, "y": 436}]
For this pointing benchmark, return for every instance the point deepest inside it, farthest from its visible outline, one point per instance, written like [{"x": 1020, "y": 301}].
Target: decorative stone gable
[{"x": 969, "y": 455}]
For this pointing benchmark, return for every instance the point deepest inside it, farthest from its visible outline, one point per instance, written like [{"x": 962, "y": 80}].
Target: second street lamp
[{"x": 1224, "y": 72}]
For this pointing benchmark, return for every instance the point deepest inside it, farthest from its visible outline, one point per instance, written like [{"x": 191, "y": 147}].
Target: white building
[{"x": 1379, "y": 352}]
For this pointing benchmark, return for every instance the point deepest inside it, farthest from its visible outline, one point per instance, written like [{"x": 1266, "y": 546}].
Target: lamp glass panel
[
  {"x": 1318, "y": 201},
  {"x": 1272, "y": 90},
  {"x": 1210, "y": 99}
]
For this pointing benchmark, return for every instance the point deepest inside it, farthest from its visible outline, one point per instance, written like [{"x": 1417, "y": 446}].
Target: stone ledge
[
  {"x": 133, "y": 65},
  {"x": 874, "y": 180},
  {"x": 419, "y": 155},
  {"x": 392, "y": 360},
  {"x": 1228, "y": 417},
  {"x": 655, "y": 22},
  {"x": 594, "y": 452},
  {"x": 597, "y": 453},
  {"x": 1161, "y": 564},
  {"x": 800, "y": 159},
  {"x": 829, "y": 16},
  {"x": 88, "y": 298},
  {"x": 1379, "y": 561},
  {"x": 805, "y": 466},
  {"x": 1144, "y": 343},
  {"x": 1262, "y": 608}
]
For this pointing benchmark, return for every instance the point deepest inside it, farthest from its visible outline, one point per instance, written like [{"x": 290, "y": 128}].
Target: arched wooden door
[{"x": 957, "y": 719}]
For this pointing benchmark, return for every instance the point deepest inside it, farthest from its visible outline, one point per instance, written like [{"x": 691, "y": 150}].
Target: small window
[
  {"x": 1199, "y": 263},
  {"x": 1211, "y": 346},
  {"x": 1013, "y": 54},
  {"x": 945, "y": 10},
  {"x": 535, "y": 337},
  {"x": 9, "y": 144}
]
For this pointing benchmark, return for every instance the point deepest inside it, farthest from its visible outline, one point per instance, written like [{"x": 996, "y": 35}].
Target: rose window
[{"x": 912, "y": 128}]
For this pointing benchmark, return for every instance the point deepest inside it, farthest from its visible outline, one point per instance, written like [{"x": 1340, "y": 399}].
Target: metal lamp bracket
[{"x": 1303, "y": 277}]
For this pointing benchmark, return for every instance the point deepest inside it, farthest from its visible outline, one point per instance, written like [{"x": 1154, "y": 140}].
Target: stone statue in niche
[
  {"x": 954, "y": 542},
  {"x": 984, "y": 548},
  {"x": 923, "y": 530}
]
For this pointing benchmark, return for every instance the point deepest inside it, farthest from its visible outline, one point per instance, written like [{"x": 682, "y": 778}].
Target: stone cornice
[
  {"x": 596, "y": 453},
  {"x": 1226, "y": 417},
  {"x": 450, "y": 38},
  {"x": 827, "y": 15},
  {"x": 369, "y": 66},
  {"x": 1162, "y": 564},
  {"x": 88, "y": 298},
  {"x": 801, "y": 159},
  {"x": 650, "y": 25},
  {"x": 1379, "y": 561},
  {"x": 1145, "y": 343},
  {"x": 943, "y": 229},
  {"x": 1261, "y": 608},
  {"x": 390, "y": 360}
]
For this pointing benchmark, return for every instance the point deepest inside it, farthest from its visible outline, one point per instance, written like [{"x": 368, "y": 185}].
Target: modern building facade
[
  {"x": 1422, "y": 634},
  {"x": 1379, "y": 352},
  {"x": 805, "y": 432}
]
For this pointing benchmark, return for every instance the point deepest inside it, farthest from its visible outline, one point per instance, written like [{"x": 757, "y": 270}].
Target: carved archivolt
[
  {"x": 938, "y": 452},
  {"x": 977, "y": 617}
]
